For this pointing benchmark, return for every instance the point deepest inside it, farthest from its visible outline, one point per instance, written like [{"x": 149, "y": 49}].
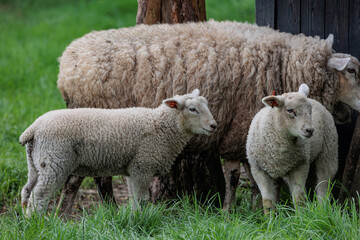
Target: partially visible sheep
[
  {"x": 234, "y": 64},
  {"x": 136, "y": 142},
  {"x": 284, "y": 138}
]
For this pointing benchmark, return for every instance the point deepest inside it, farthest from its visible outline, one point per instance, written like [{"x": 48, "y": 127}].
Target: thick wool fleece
[
  {"x": 102, "y": 142},
  {"x": 233, "y": 64}
]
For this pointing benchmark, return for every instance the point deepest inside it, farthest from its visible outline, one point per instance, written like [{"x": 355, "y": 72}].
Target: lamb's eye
[
  {"x": 192, "y": 109},
  {"x": 350, "y": 70},
  {"x": 290, "y": 110}
]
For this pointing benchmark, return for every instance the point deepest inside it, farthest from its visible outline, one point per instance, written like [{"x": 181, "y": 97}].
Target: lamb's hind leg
[
  {"x": 325, "y": 171},
  {"x": 48, "y": 182},
  {"x": 32, "y": 179}
]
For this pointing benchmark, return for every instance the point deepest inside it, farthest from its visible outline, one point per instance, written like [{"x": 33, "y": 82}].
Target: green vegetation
[
  {"x": 186, "y": 219},
  {"x": 33, "y": 34}
]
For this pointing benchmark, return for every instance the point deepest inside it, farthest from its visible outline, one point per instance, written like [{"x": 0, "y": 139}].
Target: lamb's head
[
  {"x": 295, "y": 111},
  {"x": 196, "y": 115},
  {"x": 348, "y": 70}
]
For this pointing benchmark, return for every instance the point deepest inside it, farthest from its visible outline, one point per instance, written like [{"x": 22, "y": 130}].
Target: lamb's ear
[
  {"x": 196, "y": 92},
  {"x": 274, "y": 101},
  {"x": 173, "y": 103},
  {"x": 304, "y": 89},
  {"x": 329, "y": 41},
  {"x": 338, "y": 63}
]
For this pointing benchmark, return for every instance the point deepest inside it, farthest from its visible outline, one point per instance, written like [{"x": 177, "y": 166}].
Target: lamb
[
  {"x": 284, "y": 138},
  {"x": 234, "y": 64},
  {"x": 135, "y": 142}
]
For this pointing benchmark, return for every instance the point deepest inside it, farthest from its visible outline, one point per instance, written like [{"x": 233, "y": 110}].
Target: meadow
[{"x": 33, "y": 34}]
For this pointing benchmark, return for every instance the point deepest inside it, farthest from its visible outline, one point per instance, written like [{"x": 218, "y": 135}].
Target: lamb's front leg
[
  {"x": 138, "y": 182},
  {"x": 296, "y": 181},
  {"x": 267, "y": 187}
]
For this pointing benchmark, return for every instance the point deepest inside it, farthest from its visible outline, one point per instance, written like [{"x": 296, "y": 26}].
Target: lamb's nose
[
  {"x": 310, "y": 131},
  {"x": 213, "y": 126}
]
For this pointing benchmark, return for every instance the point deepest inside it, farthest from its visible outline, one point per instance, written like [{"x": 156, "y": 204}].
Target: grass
[
  {"x": 34, "y": 33},
  {"x": 185, "y": 219}
]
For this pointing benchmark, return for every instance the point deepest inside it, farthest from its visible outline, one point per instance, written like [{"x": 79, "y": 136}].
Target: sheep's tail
[{"x": 27, "y": 135}]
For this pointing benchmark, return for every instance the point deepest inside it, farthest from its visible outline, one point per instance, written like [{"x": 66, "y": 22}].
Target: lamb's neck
[{"x": 171, "y": 123}]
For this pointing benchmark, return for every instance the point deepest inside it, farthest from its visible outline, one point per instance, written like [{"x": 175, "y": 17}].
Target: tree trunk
[{"x": 170, "y": 11}]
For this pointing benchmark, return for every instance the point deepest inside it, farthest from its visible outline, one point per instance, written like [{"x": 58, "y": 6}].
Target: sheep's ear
[
  {"x": 338, "y": 63},
  {"x": 196, "y": 92},
  {"x": 329, "y": 41},
  {"x": 304, "y": 89},
  {"x": 172, "y": 103},
  {"x": 273, "y": 101}
]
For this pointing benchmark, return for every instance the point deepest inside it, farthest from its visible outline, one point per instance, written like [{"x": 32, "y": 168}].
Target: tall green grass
[{"x": 185, "y": 219}]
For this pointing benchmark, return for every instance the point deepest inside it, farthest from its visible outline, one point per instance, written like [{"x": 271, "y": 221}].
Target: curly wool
[
  {"x": 233, "y": 64},
  {"x": 122, "y": 133}
]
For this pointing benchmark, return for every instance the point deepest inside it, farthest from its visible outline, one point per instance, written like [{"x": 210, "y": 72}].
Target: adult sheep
[
  {"x": 285, "y": 137},
  {"x": 234, "y": 64},
  {"x": 136, "y": 142}
]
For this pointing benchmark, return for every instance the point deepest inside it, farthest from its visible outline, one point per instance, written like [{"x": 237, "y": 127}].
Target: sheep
[
  {"x": 235, "y": 65},
  {"x": 135, "y": 142},
  {"x": 284, "y": 138}
]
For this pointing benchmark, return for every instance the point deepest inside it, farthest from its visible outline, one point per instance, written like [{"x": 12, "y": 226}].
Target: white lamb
[
  {"x": 284, "y": 138},
  {"x": 136, "y": 142}
]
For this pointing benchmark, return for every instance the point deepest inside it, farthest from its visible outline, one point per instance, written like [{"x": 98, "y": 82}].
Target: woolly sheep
[
  {"x": 235, "y": 65},
  {"x": 136, "y": 142},
  {"x": 284, "y": 138}
]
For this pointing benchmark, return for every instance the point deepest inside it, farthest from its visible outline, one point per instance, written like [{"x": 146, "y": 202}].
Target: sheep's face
[
  {"x": 348, "y": 69},
  {"x": 197, "y": 117},
  {"x": 295, "y": 111}
]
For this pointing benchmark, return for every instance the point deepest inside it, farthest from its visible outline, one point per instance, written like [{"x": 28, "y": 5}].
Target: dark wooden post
[{"x": 322, "y": 17}]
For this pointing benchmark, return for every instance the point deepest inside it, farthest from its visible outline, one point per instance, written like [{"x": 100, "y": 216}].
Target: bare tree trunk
[{"x": 170, "y": 11}]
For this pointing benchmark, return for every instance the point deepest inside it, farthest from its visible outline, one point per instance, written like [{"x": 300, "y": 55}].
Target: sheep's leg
[
  {"x": 138, "y": 183},
  {"x": 231, "y": 174},
  {"x": 47, "y": 184},
  {"x": 68, "y": 194},
  {"x": 326, "y": 167},
  {"x": 267, "y": 186},
  {"x": 105, "y": 189},
  {"x": 296, "y": 181},
  {"x": 32, "y": 179},
  {"x": 323, "y": 178},
  {"x": 254, "y": 188}
]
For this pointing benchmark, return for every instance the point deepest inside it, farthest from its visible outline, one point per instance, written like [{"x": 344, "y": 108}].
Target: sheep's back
[{"x": 234, "y": 66}]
